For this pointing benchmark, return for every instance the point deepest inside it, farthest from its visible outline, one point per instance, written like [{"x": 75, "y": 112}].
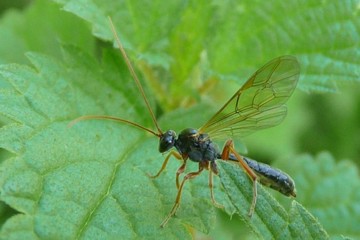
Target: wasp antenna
[
  {"x": 89, "y": 117},
  {"x": 133, "y": 74}
]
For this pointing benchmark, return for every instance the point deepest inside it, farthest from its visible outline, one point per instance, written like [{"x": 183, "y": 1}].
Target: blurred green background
[{"x": 192, "y": 53}]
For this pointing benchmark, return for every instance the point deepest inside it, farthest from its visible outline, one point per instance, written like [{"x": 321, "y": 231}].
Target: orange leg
[
  {"x": 180, "y": 170},
  {"x": 229, "y": 148},
  {"x": 172, "y": 153},
  {"x": 216, "y": 204},
  {"x": 178, "y": 196}
]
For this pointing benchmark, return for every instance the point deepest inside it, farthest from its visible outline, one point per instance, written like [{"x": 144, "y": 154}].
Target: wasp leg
[
  {"x": 178, "y": 196},
  {"x": 229, "y": 148},
  {"x": 180, "y": 170},
  {"x": 172, "y": 153},
  {"x": 216, "y": 204}
]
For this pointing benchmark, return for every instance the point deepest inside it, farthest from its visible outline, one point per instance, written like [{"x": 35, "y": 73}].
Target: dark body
[
  {"x": 198, "y": 147},
  {"x": 270, "y": 177}
]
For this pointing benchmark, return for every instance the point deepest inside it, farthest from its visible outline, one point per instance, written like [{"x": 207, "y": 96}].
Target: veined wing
[{"x": 259, "y": 103}]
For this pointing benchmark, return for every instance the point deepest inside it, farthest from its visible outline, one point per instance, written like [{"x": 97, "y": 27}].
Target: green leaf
[
  {"x": 19, "y": 34},
  {"x": 264, "y": 30},
  {"x": 89, "y": 180},
  {"x": 318, "y": 182},
  {"x": 303, "y": 225},
  {"x": 329, "y": 191},
  {"x": 270, "y": 220},
  {"x": 203, "y": 41}
]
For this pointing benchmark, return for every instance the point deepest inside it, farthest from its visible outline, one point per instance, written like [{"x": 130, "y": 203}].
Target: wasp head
[{"x": 167, "y": 141}]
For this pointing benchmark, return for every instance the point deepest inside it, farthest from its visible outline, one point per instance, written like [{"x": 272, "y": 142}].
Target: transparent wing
[{"x": 259, "y": 103}]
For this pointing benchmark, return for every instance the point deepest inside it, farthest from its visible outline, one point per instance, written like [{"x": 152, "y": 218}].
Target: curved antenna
[
  {"x": 89, "y": 117},
  {"x": 133, "y": 74}
]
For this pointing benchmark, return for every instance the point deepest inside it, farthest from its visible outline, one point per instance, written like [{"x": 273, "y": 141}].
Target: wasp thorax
[
  {"x": 167, "y": 141},
  {"x": 188, "y": 133}
]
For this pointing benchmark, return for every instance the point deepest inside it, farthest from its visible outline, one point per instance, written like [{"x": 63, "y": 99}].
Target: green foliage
[
  {"x": 325, "y": 188},
  {"x": 329, "y": 191},
  {"x": 38, "y": 29},
  {"x": 90, "y": 181},
  {"x": 87, "y": 180},
  {"x": 230, "y": 40}
]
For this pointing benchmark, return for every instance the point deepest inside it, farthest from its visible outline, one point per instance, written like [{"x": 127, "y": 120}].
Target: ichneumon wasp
[{"x": 258, "y": 104}]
